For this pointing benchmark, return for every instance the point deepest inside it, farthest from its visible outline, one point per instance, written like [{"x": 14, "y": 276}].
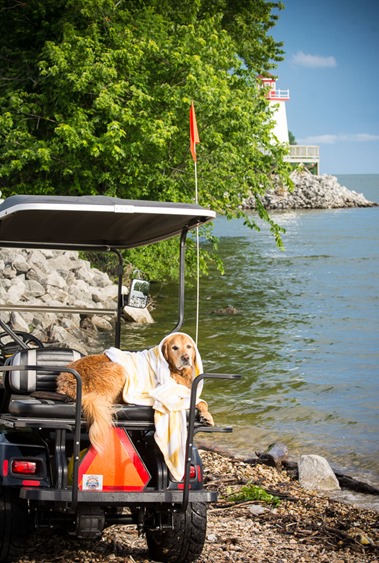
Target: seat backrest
[{"x": 25, "y": 381}]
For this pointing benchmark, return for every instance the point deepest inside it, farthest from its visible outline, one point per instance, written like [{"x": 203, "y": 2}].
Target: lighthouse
[
  {"x": 277, "y": 99},
  {"x": 308, "y": 156}
]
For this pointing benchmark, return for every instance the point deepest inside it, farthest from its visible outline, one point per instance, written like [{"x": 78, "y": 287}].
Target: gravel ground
[{"x": 303, "y": 527}]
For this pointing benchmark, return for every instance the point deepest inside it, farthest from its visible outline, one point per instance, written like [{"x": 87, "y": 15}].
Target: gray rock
[
  {"x": 34, "y": 288},
  {"x": 20, "y": 264},
  {"x": 9, "y": 272},
  {"x": 16, "y": 292},
  {"x": 141, "y": 316},
  {"x": 60, "y": 335},
  {"x": 56, "y": 295},
  {"x": 56, "y": 280},
  {"x": 101, "y": 323},
  {"x": 311, "y": 192},
  {"x": 18, "y": 322},
  {"x": 36, "y": 273},
  {"x": 316, "y": 474},
  {"x": 35, "y": 277},
  {"x": 40, "y": 259}
]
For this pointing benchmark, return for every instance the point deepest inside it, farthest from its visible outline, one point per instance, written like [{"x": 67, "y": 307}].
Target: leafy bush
[{"x": 254, "y": 492}]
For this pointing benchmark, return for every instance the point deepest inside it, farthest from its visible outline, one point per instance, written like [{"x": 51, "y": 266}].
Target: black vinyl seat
[
  {"x": 25, "y": 381},
  {"x": 30, "y": 378},
  {"x": 46, "y": 408},
  {"x": 31, "y": 392}
]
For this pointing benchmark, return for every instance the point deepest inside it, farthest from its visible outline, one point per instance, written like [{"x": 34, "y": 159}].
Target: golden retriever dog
[{"x": 103, "y": 382}]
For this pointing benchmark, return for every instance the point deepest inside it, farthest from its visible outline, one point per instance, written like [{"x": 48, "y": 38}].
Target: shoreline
[
  {"x": 366, "y": 476},
  {"x": 306, "y": 526},
  {"x": 301, "y": 526},
  {"x": 355, "y": 489}
]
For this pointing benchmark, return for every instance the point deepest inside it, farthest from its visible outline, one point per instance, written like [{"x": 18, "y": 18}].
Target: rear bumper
[{"x": 116, "y": 498}]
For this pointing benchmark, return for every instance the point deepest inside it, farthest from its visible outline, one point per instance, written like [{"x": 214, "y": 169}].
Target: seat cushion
[
  {"x": 43, "y": 408},
  {"x": 29, "y": 380}
]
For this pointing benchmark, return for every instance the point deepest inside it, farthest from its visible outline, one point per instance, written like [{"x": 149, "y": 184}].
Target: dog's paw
[{"x": 207, "y": 419}]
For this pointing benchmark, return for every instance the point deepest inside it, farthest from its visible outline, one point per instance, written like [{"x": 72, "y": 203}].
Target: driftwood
[
  {"x": 347, "y": 482},
  {"x": 215, "y": 449},
  {"x": 275, "y": 455}
]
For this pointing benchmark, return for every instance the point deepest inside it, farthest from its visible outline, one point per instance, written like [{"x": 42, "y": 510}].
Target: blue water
[
  {"x": 306, "y": 336},
  {"x": 313, "y": 340}
]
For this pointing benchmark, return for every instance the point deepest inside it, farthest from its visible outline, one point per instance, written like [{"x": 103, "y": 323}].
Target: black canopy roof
[{"x": 93, "y": 221}]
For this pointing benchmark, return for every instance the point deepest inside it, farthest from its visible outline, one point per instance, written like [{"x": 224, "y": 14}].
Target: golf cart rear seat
[{"x": 30, "y": 391}]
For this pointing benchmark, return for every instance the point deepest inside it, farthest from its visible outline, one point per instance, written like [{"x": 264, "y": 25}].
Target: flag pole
[
  {"x": 196, "y": 190},
  {"x": 197, "y": 265},
  {"x": 194, "y": 140}
]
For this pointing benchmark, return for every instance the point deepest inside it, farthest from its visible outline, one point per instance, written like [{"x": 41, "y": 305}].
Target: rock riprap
[
  {"x": 55, "y": 279},
  {"x": 311, "y": 192}
]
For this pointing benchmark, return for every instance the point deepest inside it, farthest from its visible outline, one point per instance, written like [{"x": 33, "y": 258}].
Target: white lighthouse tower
[
  {"x": 307, "y": 156},
  {"x": 277, "y": 99}
]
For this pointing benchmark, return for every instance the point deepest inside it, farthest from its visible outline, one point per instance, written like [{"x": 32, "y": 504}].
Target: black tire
[
  {"x": 15, "y": 526},
  {"x": 8, "y": 346},
  {"x": 185, "y": 542}
]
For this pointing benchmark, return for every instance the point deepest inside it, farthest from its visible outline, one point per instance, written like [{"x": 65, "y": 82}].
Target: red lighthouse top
[{"x": 273, "y": 93}]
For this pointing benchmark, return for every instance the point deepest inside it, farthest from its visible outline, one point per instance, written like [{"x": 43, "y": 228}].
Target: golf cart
[{"x": 50, "y": 475}]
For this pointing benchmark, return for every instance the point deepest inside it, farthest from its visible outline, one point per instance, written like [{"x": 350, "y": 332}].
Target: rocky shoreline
[
  {"x": 311, "y": 192},
  {"x": 299, "y": 526}
]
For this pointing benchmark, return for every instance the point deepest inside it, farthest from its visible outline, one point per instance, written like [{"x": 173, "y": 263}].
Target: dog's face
[{"x": 179, "y": 352}]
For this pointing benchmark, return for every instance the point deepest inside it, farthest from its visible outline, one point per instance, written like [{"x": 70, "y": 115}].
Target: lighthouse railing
[
  {"x": 304, "y": 154},
  {"x": 279, "y": 94},
  {"x": 301, "y": 152}
]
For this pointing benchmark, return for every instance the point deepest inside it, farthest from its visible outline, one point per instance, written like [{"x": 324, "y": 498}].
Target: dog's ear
[
  {"x": 164, "y": 350},
  {"x": 194, "y": 354}
]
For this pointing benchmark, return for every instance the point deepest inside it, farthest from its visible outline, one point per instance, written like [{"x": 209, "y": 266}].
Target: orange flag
[{"x": 194, "y": 135}]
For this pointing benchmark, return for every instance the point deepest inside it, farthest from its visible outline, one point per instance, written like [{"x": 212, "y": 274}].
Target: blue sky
[{"x": 331, "y": 69}]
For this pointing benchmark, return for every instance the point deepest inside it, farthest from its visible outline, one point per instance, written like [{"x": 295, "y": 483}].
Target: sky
[{"x": 331, "y": 69}]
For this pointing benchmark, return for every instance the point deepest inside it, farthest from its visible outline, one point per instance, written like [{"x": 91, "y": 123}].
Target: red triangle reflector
[{"x": 118, "y": 468}]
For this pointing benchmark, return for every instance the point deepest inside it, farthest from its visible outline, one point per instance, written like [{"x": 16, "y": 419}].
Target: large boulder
[{"x": 316, "y": 474}]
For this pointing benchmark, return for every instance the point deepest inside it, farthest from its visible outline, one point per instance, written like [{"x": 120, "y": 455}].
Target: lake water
[{"x": 305, "y": 339}]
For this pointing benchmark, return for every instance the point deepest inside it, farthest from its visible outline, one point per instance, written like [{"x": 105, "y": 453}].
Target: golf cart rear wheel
[
  {"x": 15, "y": 526},
  {"x": 184, "y": 543}
]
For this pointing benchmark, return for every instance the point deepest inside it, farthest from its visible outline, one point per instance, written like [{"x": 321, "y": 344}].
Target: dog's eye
[
  {"x": 189, "y": 346},
  {"x": 175, "y": 347}
]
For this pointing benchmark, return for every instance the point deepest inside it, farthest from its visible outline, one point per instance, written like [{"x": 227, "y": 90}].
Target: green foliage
[
  {"x": 291, "y": 138},
  {"x": 164, "y": 257},
  {"x": 95, "y": 96},
  {"x": 254, "y": 492}
]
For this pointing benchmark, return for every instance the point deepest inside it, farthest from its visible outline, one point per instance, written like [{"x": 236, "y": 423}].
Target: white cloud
[
  {"x": 330, "y": 139},
  {"x": 313, "y": 61}
]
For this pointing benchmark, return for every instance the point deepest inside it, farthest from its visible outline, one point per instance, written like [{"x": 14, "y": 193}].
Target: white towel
[{"x": 148, "y": 382}]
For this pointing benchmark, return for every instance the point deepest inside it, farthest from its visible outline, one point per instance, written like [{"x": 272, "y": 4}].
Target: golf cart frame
[{"x": 42, "y": 439}]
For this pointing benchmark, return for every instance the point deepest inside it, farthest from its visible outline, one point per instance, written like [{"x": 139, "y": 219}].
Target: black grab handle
[{"x": 191, "y": 426}]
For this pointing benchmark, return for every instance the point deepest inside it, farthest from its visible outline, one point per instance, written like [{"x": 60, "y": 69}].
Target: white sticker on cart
[{"x": 92, "y": 482}]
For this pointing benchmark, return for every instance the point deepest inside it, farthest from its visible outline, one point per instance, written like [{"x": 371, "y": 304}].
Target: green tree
[
  {"x": 292, "y": 138},
  {"x": 95, "y": 96}
]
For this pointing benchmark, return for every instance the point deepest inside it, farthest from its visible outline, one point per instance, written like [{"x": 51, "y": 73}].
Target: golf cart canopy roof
[{"x": 95, "y": 222}]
